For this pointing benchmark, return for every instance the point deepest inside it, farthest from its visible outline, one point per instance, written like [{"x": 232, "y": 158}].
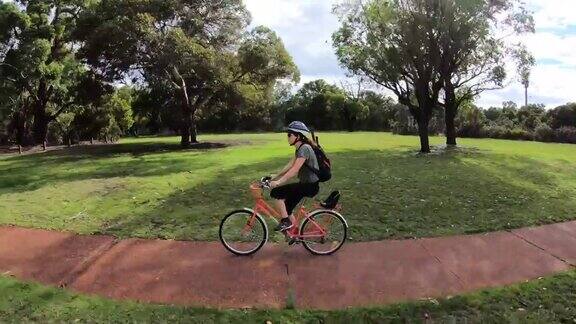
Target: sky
[{"x": 306, "y": 26}]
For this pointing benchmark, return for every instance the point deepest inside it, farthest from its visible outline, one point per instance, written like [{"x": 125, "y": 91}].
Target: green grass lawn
[
  {"x": 147, "y": 187},
  {"x": 550, "y": 300}
]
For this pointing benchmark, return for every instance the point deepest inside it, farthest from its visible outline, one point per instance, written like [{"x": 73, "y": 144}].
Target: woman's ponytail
[
  {"x": 313, "y": 140},
  {"x": 308, "y": 141}
]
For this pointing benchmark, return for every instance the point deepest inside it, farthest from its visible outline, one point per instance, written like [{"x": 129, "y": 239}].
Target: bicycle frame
[
  {"x": 312, "y": 227},
  {"x": 261, "y": 207}
]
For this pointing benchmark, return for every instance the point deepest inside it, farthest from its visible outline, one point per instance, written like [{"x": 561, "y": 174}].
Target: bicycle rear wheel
[
  {"x": 243, "y": 232},
  {"x": 323, "y": 232}
]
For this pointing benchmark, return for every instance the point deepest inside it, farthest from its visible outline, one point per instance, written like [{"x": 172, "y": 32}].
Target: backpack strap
[{"x": 315, "y": 171}]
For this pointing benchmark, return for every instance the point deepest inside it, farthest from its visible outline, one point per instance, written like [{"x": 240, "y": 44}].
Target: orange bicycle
[{"x": 322, "y": 231}]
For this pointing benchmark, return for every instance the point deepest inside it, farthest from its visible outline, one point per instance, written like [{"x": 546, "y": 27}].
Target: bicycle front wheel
[
  {"x": 243, "y": 232},
  {"x": 323, "y": 232}
]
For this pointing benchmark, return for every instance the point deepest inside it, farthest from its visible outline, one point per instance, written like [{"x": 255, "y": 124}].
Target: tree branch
[{"x": 60, "y": 111}]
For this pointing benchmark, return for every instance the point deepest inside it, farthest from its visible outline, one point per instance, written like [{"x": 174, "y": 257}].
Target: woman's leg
[
  {"x": 281, "y": 205},
  {"x": 288, "y": 196},
  {"x": 283, "y": 197}
]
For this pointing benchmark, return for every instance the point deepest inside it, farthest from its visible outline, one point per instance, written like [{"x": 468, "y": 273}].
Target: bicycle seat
[{"x": 332, "y": 200}]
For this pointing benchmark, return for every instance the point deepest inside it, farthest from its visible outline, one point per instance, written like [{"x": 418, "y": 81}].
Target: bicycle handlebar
[{"x": 265, "y": 182}]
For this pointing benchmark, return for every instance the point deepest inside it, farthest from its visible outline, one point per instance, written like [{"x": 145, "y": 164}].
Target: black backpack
[{"x": 324, "y": 172}]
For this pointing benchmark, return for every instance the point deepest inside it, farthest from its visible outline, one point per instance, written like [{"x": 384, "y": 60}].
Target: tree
[
  {"x": 493, "y": 113},
  {"x": 385, "y": 41},
  {"x": 472, "y": 54},
  {"x": 281, "y": 102},
  {"x": 346, "y": 110},
  {"x": 417, "y": 47},
  {"x": 311, "y": 104},
  {"x": 404, "y": 123},
  {"x": 525, "y": 63},
  {"x": 470, "y": 120},
  {"x": 196, "y": 49},
  {"x": 107, "y": 120},
  {"x": 509, "y": 111},
  {"x": 38, "y": 58},
  {"x": 381, "y": 111},
  {"x": 154, "y": 109},
  {"x": 562, "y": 116},
  {"x": 13, "y": 22},
  {"x": 64, "y": 127},
  {"x": 530, "y": 116},
  {"x": 14, "y": 99},
  {"x": 353, "y": 108}
]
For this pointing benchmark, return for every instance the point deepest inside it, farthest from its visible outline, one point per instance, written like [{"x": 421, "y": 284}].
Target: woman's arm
[
  {"x": 284, "y": 170},
  {"x": 290, "y": 173}
]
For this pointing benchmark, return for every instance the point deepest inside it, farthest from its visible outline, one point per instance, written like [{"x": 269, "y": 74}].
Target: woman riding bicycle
[
  {"x": 321, "y": 230},
  {"x": 287, "y": 196}
]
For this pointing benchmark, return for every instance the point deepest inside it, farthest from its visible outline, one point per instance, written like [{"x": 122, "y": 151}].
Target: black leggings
[{"x": 293, "y": 193}]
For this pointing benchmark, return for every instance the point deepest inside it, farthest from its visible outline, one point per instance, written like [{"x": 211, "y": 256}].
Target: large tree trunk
[
  {"x": 449, "y": 119},
  {"x": 423, "y": 133},
  {"x": 348, "y": 120},
  {"x": 41, "y": 118},
  {"x": 422, "y": 118},
  {"x": 186, "y": 129},
  {"x": 450, "y": 114},
  {"x": 40, "y": 127},
  {"x": 19, "y": 125},
  {"x": 20, "y": 134},
  {"x": 193, "y": 132}
]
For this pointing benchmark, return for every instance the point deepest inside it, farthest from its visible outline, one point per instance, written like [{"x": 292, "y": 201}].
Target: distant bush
[
  {"x": 566, "y": 134},
  {"x": 521, "y": 134},
  {"x": 497, "y": 131},
  {"x": 544, "y": 133}
]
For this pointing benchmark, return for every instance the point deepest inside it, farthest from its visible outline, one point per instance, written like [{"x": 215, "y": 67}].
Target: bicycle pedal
[{"x": 293, "y": 241}]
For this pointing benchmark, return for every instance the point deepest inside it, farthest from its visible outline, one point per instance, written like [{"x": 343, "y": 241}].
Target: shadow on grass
[
  {"x": 30, "y": 172},
  {"x": 78, "y": 152},
  {"x": 386, "y": 194}
]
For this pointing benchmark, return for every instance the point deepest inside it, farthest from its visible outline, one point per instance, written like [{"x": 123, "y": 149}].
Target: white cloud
[
  {"x": 554, "y": 75},
  {"x": 276, "y": 14},
  {"x": 553, "y": 13},
  {"x": 546, "y": 46},
  {"x": 553, "y": 81}
]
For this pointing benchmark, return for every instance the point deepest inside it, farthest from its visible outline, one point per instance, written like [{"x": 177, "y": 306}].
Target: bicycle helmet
[{"x": 299, "y": 128}]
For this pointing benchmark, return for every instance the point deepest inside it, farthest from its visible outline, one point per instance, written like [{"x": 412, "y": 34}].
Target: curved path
[{"x": 360, "y": 274}]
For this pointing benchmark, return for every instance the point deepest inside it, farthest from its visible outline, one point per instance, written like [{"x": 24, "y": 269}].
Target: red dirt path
[{"x": 360, "y": 274}]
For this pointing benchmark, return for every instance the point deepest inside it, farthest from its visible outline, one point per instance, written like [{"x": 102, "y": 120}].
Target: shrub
[
  {"x": 475, "y": 131},
  {"x": 521, "y": 134},
  {"x": 544, "y": 133},
  {"x": 566, "y": 134},
  {"x": 404, "y": 129},
  {"x": 497, "y": 131}
]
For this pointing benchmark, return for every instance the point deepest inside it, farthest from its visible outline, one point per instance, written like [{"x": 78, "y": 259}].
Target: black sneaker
[
  {"x": 285, "y": 224},
  {"x": 294, "y": 240}
]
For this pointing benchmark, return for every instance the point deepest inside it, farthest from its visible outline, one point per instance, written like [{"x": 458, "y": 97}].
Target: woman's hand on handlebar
[{"x": 265, "y": 181}]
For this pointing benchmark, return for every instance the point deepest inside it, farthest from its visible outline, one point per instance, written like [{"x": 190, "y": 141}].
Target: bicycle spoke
[
  {"x": 242, "y": 232},
  {"x": 323, "y": 233}
]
